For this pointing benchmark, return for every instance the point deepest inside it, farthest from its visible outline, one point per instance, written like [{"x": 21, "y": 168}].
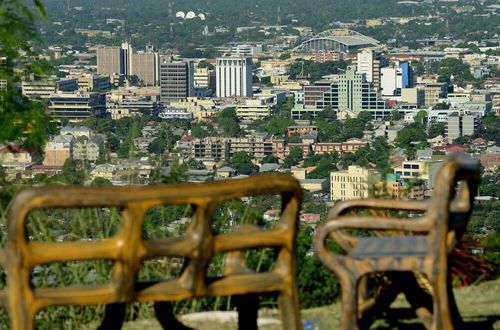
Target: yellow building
[
  {"x": 89, "y": 82},
  {"x": 225, "y": 172},
  {"x": 413, "y": 95},
  {"x": 41, "y": 89},
  {"x": 105, "y": 171},
  {"x": 278, "y": 79},
  {"x": 354, "y": 183},
  {"x": 299, "y": 173},
  {"x": 200, "y": 108},
  {"x": 290, "y": 85},
  {"x": 302, "y": 129},
  {"x": 254, "y": 109},
  {"x": 202, "y": 77},
  {"x": 373, "y": 22},
  {"x": 14, "y": 155},
  {"x": 119, "y": 113},
  {"x": 423, "y": 170},
  {"x": 276, "y": 64},
  {"x": 459, "y": 95}
]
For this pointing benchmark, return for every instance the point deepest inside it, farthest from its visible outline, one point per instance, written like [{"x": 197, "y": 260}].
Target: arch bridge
[{"x": 337, "y": 40}]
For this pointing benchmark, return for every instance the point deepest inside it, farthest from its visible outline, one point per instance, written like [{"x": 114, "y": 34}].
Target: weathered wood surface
[
  {"x": 127, "y": 249},
  {"x": 443, "y": 222}
]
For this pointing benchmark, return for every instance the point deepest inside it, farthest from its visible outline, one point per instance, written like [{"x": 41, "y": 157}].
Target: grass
[{"x": 479, "y": 306}]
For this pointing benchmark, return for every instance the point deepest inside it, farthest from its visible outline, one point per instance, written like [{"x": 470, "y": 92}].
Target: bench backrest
[{"x": 127, "y": 249}]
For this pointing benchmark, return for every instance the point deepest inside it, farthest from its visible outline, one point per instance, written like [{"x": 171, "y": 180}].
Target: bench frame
[
  {"x": 127, "y": 249},
  {"x": 444, "y": 222}
]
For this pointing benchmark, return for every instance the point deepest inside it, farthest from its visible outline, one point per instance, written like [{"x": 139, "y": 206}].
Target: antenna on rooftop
[
  {"x": 170, "y": 2},
  {"x": 447, "y": 24},
  {"x": 278, "y": 22},
  {"x": 278, "y": 19}
]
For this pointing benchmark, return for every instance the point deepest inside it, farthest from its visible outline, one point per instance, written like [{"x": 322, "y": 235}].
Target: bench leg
[
  {"x": 164, "y": 312},
  {"x": 442, "y": 316},
  {"x": 114, "y": 315},
  {"x": 349, "y": 317},
  {"x": 248, "y": 308},
  {"x": 289, "y": 306}
]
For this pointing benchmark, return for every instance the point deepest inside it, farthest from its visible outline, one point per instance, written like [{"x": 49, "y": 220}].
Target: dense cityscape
[{"x": 351, "y": 106}]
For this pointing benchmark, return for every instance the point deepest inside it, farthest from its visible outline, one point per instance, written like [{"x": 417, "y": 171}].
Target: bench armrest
[
  {"x": 335, "y": 226},
  {"x": 380, "y": 204}
]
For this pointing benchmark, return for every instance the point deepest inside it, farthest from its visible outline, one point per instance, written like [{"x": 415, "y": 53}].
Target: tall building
[
  {"x": 109, "y": 60},
  {"x": 114, "y": 59},
  {"x": 407, "y": 75},
  {"x": 176, "y": 80},
  {"x": 369, "y": 63},
  {"x": 126, "y": 52},
  {"x": 354, "y": 183},
  {"x": 145, "y": 65},
  {"x": 394, "y": 79},
  {"x": 234, "y": 76},
  {"x": 391, "y": 81},
  {"x": 353, "y": 93}
]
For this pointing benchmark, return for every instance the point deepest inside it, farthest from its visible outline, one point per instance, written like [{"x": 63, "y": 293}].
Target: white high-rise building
[
  {"x": 127, "y": 52},
  {"x": 369, "y": 62},
  {"x": 392, "y": 81},
  {"x": 234, "y": 76}
]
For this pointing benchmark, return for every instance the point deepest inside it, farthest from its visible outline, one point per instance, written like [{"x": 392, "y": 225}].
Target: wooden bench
[
  {"x": 426, "y": 251},
  {"x": 128, "y": 249}
]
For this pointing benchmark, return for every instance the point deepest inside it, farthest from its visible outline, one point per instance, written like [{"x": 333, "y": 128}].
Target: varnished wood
[
  {"x": 127, "y": 249},
  {"x": 444, "y": 220}
]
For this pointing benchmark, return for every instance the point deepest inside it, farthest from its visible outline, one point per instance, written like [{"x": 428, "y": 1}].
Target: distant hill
[{"x": 149, "y": 20}]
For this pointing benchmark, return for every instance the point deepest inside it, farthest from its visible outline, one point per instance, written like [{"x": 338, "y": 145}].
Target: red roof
[
  {"x": 13, "y": 149},
  {"x": 478, "y": 141},
  {"x": 310, "y": 168},
  {"x": 187, "y": 138},
  {"x": 456, "y": 147},
  {"x": 310, "y": 217},
  {"x": 451, "y": 147},
  {"x": 46, "y": 167},
  {"x": 392, "y": 103}
]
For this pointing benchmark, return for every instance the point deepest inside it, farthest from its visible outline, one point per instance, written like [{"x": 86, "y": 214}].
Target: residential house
[{"x": 58, "y": 150}]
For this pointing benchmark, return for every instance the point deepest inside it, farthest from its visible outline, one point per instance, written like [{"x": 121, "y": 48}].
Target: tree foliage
[
  {"x": 229, "y": 122},
  {"x": 411, "y": 133},
  {"x": 315, "y": 69},
  {"x": 24, "y": 122},
  {"x": 448, "y": 67},
  {"x": 295, "y": 156}
]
